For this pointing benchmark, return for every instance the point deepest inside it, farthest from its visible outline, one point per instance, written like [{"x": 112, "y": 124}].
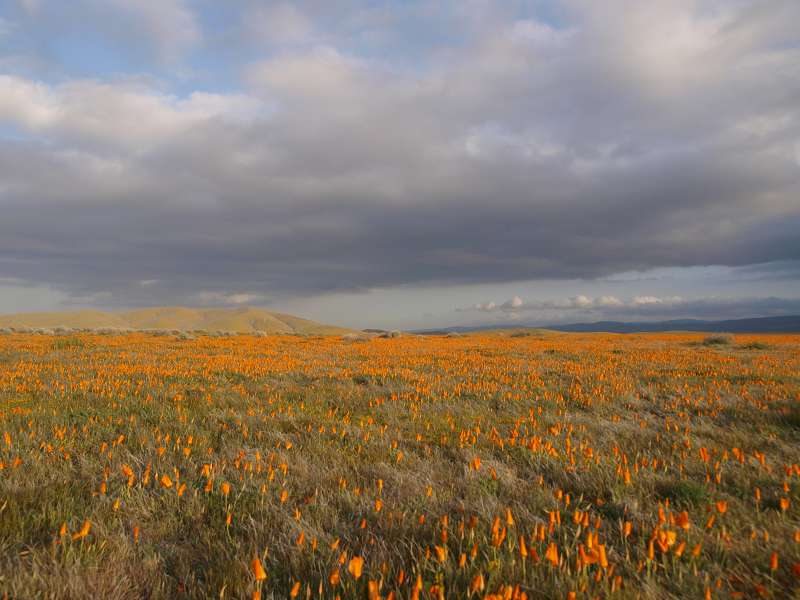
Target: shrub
[
  {"x": 109, "y": 330},
  {"x": 718, "y": 338},
  {"x": 358, "y": 337},
  {"x": 157, "y": 332},
  {"x": 391, "y": 334}
]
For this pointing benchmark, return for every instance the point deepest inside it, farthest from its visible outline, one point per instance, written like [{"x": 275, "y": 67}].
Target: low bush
[{"x": 718, "y": 339}]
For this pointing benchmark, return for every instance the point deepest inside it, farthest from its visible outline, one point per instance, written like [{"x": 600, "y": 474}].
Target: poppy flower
[
  {"x": 258, "y": 570},
  {"x": 354, "y": 566},
  {"x": 83, "y": 532}
]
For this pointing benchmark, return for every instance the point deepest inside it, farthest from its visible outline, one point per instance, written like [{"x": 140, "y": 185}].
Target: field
[{"x": 546, "y": 466}]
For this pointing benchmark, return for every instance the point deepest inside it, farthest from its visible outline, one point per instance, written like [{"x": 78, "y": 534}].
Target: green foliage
[{"x": 688, "y": 493}]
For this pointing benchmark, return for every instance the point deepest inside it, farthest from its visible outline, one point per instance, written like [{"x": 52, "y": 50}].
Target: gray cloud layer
[{"x": 640, "y": 135}]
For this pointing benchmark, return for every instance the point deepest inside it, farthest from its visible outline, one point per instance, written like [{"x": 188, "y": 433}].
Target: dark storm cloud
[{"x": 637, "y": 137}]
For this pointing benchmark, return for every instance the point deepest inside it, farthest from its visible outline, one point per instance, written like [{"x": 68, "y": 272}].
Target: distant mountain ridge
[
  {"x": 788, "y": 324},
  {"x": 245, "y": 319}
]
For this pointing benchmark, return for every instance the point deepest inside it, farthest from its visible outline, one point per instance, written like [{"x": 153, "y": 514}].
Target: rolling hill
[{"x": 244, "y": 320}]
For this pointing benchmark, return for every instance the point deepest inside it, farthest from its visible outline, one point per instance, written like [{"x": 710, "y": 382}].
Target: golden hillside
[{"x": 244, "y": 320}]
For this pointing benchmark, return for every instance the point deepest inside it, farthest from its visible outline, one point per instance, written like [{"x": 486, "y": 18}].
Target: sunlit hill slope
[{"x": 245, "y": 319}]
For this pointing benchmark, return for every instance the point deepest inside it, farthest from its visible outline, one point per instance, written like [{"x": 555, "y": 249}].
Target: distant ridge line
[{"x": 783, "y": 324}]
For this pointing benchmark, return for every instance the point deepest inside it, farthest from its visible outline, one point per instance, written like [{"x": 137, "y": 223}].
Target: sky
[{"x": 402, "y": 164}]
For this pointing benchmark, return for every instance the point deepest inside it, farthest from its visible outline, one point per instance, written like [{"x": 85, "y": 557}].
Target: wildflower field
[{"x": 546, "y": 466}]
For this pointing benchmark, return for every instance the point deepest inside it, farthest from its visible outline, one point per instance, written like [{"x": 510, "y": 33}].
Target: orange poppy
[
  {"x": 84, "y": 530},
  {"x": 354, "y": 566},
  {"x": 258, "y": 570}
]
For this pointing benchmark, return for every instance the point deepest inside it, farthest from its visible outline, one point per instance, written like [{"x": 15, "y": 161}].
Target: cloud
[
  {"x": 640, "y": 307},
  {"x": 217, "y": 299},
  {"x": 581, "y": 302},
  {"x": 101, "y": 117},
  {"x": 668, "y": 50},
  {"x": 32, "y": 6},
  {"x": 488, "y": 307},
  {"x": 280, "y": 23},
  {"x": 168, "y": 23},
  {"x": 68, "y": 40},
  {"x": 542, "y": 35},
  {"x": 638, "y": 136},
  {"x": 604, "y": 302}
]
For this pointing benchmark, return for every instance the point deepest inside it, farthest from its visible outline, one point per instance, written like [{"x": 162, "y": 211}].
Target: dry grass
[
  {"x": 242, "y": 320},
  {"x": 557, "y": 422}
]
